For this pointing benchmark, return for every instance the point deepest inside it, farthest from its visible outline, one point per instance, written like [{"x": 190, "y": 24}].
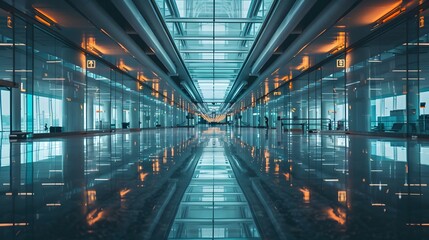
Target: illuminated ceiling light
[
  {"x": 92, "y": 47},
  {"x": 375, "y": 79},
  {"x": 374, "y": 61},
  {"x": 53, "y": 79},
  {"x": 352, "y": 83},
  {"x": 18, "y": 70},
  {"x": 305, "y": 64},
  {"x": 123, "y": 66},
  {"x": 378, "y": 204},
  {"x": 13, "y": 224},
  {"x": 405, "y": 70},
  {"x": 331, "y": 180},
  {"x": 45, "y": 19},
  {"x": 54, "y": 61},
  {"x": 11, "y": 44},
  {"x": 413, "y": 79},
  {"x": 340, "y": 43},
  {"x": 396, "y": 11},
  {"x": 141, "y": 77},
  {"x": 417, "y": 44}
]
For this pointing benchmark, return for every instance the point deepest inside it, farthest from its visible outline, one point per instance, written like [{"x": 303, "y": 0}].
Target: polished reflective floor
[
  {"x": 213, "y": 205},
  {"x": 313, "y": 186}
]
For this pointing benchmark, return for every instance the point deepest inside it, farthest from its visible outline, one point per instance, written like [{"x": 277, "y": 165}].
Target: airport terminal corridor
[{"x": 214, "y": 119}]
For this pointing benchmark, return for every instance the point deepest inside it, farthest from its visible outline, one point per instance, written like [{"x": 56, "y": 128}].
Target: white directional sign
[{"x": 90, "y": 63}]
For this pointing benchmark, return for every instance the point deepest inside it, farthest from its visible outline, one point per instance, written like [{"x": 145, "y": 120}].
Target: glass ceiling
[{"x": 214, "y": 38}]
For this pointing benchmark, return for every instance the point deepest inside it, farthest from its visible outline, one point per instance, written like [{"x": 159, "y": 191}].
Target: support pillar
[{"x": 90, "y": 113}]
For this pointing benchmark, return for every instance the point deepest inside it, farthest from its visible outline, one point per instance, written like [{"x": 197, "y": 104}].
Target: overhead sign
[
  {"x": 90, "y": 63},
  {"x": 341, "y": 63}
]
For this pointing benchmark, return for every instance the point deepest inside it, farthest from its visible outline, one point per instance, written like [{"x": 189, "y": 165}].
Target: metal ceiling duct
[
  {"x": 101, "y": 19},
  {"x": 159, "y": 28},
  {"x": 134, "y": 17},
  {"x": 280, "y": 9},
  {"x": 289, "y": 23},
  {"x": 326, "y": 19}
]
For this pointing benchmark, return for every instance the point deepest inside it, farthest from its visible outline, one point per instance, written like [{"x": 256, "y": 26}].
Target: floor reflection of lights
[{"x": 213, "y": 205}]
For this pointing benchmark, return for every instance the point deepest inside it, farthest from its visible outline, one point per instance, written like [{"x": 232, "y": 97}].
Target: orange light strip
[
  {"x": 44, "y": 15},
  {"x": 396, "y": 11},
  {"x": 13, "y": 224},
  {"x": 43, "y": 21}
]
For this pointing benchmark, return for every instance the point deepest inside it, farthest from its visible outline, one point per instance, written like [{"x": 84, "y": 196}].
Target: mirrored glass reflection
[{"x": 340, "y": 184}]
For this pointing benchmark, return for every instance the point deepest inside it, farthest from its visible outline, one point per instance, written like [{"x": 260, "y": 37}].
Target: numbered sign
[
  {"x": 341, "y": 63},
  {"x": 90, "y": 63}
]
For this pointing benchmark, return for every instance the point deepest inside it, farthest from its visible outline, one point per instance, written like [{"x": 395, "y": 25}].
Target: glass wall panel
[
  {"x": 423, "y": 60},
  {"x": 380, "y": 88}
]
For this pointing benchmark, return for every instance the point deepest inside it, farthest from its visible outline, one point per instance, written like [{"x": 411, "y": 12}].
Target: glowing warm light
[
  {"x": 215, "y": 119},
  {"x": 155, "y": 166},
  {"x": 266, "y": 87},
  {"x": 141, "y": 77},
  {"x": 13, "y": 224},
  {"x": 267, "y": 160},
  {"x": 389, "y": 15},
  {"x": 91, "y": 46},
  {"x": 94, "y": 216},
  {"x": 418, "y": 224},
  {"x": 342, "y": 196},
  {"x": 306, "y": 194},
  {"x": 142, "y": 176},
  {"x": 155, "y": 87},
  {"x": 377, "y": 11},
  {"x": 123, "y": 66},
  {"x": 305, "y": 64},
  {"x": 276, "y": 169},
  {"x": 378, "y": 204},
  {"x": 91, "y": 195},
  {"x": 44, "y": 17},
  {"x": 43, "y": 21},
  {"x": 339, "y": 215},
  {"x": 82, "y": 60},
  {"x": 287, "y": 176},
  {"x": 124, "y": 192}
]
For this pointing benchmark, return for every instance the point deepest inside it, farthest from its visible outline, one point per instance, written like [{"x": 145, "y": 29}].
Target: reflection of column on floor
[
  {"x": 73, "y": 170},
  {"x": 15, "y": 165},
  {"x": 359, "y": 178},
  {"x": 413, "y": 162},
  {"x": 279, "y": 130},
  {"x": 135, "y": 147}
]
